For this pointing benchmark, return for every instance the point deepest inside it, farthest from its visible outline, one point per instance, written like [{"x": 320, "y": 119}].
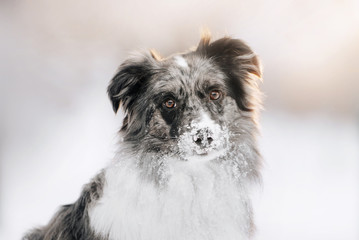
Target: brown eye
[
  {"x": 215, "y": 95},
  {"x": 170, "y": 103}
]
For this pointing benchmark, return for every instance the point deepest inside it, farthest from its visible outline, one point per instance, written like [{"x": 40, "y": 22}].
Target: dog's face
[{"x": 198, "y": 105}]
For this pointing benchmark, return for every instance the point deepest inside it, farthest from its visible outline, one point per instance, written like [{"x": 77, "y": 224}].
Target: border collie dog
[{"x": 188, "y": 154}]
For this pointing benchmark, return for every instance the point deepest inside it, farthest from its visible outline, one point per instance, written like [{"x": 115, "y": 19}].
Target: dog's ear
[
  {"x": 130, "y": 79},
  {"x": 239, "y": 63}
]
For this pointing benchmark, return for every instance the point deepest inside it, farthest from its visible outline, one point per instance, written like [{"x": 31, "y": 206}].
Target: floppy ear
[
  {"x": 128, "y": 82},
  {"x": 239, "y": 63}
]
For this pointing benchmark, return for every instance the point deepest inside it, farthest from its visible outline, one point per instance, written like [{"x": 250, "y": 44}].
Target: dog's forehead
[{"x": 190, "y": 72}]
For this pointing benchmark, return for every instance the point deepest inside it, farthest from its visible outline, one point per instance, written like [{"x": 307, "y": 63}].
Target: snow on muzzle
[{"x": 203, "y": 137}]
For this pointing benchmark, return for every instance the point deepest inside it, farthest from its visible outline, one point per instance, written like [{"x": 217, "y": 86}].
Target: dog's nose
[{"x": 203, "y": 137}]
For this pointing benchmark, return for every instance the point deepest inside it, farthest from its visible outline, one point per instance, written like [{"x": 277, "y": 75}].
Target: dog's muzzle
[{"x": 203, "y": 138}]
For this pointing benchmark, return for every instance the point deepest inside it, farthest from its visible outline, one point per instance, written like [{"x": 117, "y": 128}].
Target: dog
[{"x": 188, "y": 154}]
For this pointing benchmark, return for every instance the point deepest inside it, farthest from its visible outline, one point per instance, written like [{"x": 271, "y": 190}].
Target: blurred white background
[{"x": 57, "y": 128}]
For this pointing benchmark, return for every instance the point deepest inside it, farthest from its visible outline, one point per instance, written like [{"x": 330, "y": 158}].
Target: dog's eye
[
  {"x": 214, "y": 95},
  {"x": 170, "y": 103}
]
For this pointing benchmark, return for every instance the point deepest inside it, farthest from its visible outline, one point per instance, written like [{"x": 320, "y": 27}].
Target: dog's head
[{"x": 200, "y": 104}]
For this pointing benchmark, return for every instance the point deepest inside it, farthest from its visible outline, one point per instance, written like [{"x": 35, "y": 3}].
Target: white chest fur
[{"x": 197, "y": 203}]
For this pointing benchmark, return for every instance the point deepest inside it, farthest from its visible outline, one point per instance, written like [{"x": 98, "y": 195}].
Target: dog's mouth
[
  {"x": 204, "y": 149},
  {"x": 203, "y": 154}
]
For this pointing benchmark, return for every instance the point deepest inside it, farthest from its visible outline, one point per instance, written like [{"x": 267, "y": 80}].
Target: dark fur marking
[
  {"x": 226, "y": 53},
  {"x": 125, "y": 89}
]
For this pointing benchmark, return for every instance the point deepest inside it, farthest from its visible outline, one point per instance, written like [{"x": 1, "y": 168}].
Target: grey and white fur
[{"x": 188, "y": 153}]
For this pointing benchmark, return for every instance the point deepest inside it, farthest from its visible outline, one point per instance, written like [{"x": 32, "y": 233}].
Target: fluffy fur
[{"x": 188, "y": 152}]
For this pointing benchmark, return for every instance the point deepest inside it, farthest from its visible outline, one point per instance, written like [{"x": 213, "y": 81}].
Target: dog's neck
[{"x": 197, "y": 200}]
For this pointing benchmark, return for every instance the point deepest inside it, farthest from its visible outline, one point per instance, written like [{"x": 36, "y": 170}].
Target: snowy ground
[{"x": 311, "y": 172}]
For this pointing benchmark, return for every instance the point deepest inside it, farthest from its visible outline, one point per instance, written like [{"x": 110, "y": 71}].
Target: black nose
[{"x": 203, "y": 137}]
